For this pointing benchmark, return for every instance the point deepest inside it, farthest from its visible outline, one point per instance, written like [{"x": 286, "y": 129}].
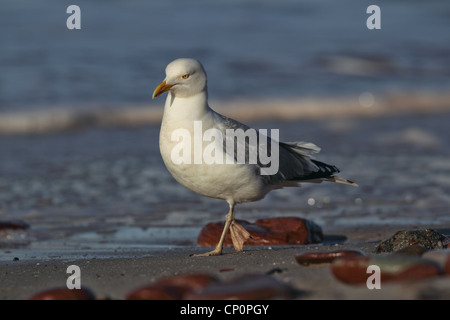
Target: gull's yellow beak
[{"x": 163, "y": 87}]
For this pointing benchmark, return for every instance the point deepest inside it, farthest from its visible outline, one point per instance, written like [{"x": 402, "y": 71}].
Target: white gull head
[{"x": 184, "y": 78}]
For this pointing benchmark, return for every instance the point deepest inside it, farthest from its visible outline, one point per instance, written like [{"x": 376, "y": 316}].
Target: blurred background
[
  {"x": 249, "y": 48},
  {"x": 79, "y": 131}
]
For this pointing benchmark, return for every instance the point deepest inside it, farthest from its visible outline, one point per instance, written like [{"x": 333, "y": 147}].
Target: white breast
[{"x": 232, "y": 182}]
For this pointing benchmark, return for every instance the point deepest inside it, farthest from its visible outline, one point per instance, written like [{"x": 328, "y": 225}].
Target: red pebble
[
  {"x": 172, "y": 288},
  {"x": 63, "y": 293},
  {"x": 246, "y": 287},
  {"x": 353, "y": 270},
  {"x": 271, "y": 231},
  {"x": 442, "y": 257},
  {"x": 308, "y": 258}
]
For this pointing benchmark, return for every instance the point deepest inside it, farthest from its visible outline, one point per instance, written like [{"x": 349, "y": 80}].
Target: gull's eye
[{"x": 186, "y": 76}]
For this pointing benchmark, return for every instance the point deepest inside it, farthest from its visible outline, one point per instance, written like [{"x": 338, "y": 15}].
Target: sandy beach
[{"x": 114, "y": 277}]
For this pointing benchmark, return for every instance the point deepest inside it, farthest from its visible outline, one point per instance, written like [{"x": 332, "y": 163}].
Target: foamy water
[
  {"x": 108, "y": 188},
  {"x": 63, "y": 119}
]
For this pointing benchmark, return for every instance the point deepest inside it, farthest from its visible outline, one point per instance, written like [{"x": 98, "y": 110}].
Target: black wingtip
[{"x": 325, "y": 171}]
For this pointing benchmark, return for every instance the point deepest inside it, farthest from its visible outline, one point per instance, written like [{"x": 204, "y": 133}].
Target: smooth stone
[
  {"x": 441, "y": 256},
  {"x": 245, "y": 287},
  {"x": 152, "y": 292},
  {"x": 320, "y": 257},
  {"x": 271, "y": 231},
  {"x": 172, "y": 288},
  {"x": 353, "y": 270}
]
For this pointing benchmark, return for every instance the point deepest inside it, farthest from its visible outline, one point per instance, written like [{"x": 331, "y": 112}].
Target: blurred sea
[
  {"x": 251, "y": 49},
  {"x": 267, "y": 61}
]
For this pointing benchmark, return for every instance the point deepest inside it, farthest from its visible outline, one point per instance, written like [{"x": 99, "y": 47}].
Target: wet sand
[{"x": 116, "y": 277}]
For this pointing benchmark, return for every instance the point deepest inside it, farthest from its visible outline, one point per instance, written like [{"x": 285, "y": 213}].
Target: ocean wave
[{"x": 58, "y": 119}]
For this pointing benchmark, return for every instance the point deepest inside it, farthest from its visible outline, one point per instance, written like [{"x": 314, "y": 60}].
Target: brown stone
[
  {"x": 63, "y": 293},
  {"x": 245, "y": 287},
  {"x": 440, "y": 256},
  {"x": 152, "y": 292},
  {"x": 426, "y": 238},
  {"x": 308, "y": 258},
  {"x": 271, "y": 231},
  {"x": 353, "y": 270},
  {"x": 172, "y": 288}
]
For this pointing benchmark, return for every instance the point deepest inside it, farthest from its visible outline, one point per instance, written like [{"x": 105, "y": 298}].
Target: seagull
[{"x": 236, "y": 182}]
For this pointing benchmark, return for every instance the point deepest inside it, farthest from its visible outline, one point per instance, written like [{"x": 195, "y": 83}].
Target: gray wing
[{"x": 294, "y": 158}]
